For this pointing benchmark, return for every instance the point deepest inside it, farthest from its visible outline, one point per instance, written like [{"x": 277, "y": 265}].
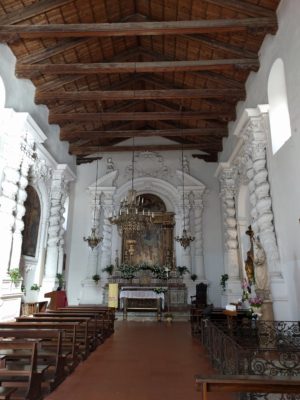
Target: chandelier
[
  {"x": 184, "y": 239},
  {"x": 132, "y": 218},
  {"x": 93, "y": 240}
]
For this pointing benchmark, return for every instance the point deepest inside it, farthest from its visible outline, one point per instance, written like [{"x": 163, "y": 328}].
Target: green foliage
[
  {"x": 159, "y": 290},
  {"x": 35, "y": 286},
  {"x": 96, "y": 278},
  {"x": 109, "y": 269},
  {"x": 223, "y": 280},
  {"x": 15, "y": 275},
  {"x": 60, "y": 279},
  {"x": 129, "y": 271},
  {"x": 194, "y": 277},
  {"x": 182, "y": 270}
]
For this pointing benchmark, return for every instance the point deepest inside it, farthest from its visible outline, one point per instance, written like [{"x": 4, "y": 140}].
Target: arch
[
  {"x": 280, "y": 125},
  {"x": 163, "y": 189},
  {"x": 2, "y": 94}
]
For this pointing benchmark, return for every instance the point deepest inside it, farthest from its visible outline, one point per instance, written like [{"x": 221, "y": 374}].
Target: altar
[{"x": 135, "y": 298}]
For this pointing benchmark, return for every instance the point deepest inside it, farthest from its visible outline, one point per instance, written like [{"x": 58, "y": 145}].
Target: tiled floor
[{"x": 141, "y": 361}]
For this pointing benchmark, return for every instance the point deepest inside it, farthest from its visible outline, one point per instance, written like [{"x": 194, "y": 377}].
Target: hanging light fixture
[
  {"x": 93, "y": 240},
  {"x": 132, "y": 218},
  {"x": 185, "y": 239}
]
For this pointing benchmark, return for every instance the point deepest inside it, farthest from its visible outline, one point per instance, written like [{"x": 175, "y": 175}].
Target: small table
[{"x": 144, "y": 296}]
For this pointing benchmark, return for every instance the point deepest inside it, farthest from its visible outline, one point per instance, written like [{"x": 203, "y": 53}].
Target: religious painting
[
  {"x": 31, "y": 222},
  {"x": 155, "y": 245}
]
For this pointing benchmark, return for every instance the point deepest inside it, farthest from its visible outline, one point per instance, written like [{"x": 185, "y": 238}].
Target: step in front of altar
[{"x": 142, "y": 316}]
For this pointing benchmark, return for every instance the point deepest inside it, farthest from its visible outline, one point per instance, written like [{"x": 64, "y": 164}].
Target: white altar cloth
[{"x": 140, "y": 294}]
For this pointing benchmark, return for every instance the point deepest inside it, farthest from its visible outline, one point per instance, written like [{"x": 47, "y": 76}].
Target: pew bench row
[{"x": 38, "y": 352}]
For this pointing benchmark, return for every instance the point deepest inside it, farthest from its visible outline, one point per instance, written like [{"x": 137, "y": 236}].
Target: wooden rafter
[
  {"x": 32, "y": 11},
  {"x": 137, "y": 94},
  {"x": 85, "y": 150},
  {"x": 97, "y": 134},
  {"x": 267, "y": 24},
  {"x": 27, "y": 70},
  {"x": 137, "y": 116},
  {"x": 244, "y": 7}
]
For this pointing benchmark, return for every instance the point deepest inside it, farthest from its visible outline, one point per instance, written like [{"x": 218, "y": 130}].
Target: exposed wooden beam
[
  {"x": 210, "y": 75},
  {"x": 207, "y": 157},
  {"x": 44, "y": 54},
  {"x": 86, "y": 150},
  {"x": 244, "y": 7},
  {"x": 27, "y": 70},
  {"x": 268, "y": 24},
  {"x": 32, "y": 11},
  {"x": 201, "y": 132},
  {"x": 97, "y": 95},
  {"x": 137, "y": 116}
]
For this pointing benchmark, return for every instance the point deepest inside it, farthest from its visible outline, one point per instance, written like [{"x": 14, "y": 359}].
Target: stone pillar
[
  {"x": 106, "y": 258},
  {"x": 8, "y": 198},
  {"x": 55, "y": 229},
  {"x": 231, "y": 258},
  {"x": 198, "y": 244},
  {"x": 264, "y": 215},
  {"x": 28, "y": 156}
]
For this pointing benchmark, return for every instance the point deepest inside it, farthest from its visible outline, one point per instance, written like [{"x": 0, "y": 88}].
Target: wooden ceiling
[{"x": 110, "y": 70}]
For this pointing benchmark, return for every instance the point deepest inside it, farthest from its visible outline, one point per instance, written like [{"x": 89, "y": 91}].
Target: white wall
[
  {"x": 20, "y": 96},
  {"x": 213, "y": 248},
  {"x": 284, "y": 166}
]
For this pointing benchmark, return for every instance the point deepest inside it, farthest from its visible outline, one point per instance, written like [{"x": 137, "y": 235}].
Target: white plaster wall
[
  {"x": 20, "y": 96},
  {"x": 212, "y": 241},
  {"x": 284, "y": 166}
]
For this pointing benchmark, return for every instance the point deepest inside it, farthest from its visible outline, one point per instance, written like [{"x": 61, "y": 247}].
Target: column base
[{"x": 10, "y": 300}]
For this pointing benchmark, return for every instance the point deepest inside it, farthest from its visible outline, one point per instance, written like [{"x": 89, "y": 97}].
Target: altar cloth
[{"x": 141, "y": 294}]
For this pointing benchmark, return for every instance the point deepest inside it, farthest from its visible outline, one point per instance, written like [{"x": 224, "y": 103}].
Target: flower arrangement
[
  {"x": 256, "y": 301},
  {"x": 246, "y": 290},
  {"x": 194, "y": 277},
  {"x": 129, "y": 271}
]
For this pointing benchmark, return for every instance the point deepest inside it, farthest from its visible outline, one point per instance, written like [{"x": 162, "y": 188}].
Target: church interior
[{"x": 149, "y": 152}]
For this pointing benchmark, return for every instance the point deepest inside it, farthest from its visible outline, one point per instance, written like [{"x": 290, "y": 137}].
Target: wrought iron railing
[{"x": 268, "y": 348}]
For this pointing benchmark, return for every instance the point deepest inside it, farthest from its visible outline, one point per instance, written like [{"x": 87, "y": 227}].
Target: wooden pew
[
  {"x": 95, "y": 329},
  {"x": 54, "y": 360},
  {"x": 247, "y": 384},
  {"x": 64, "y": 356},
  {"x": 108, "y": 317},
  {"x": 27, "y": 381},
  {"x": 83, "y": 340}
]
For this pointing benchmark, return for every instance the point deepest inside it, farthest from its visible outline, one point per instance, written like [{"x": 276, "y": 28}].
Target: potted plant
[
  {"x": 33, "y": 293},
  {"x": 168, "y": 316},
  {"x": 96, "y": 278},
  {"x": 15, "y": 275},
  {"x": 194, "y": 277},
  {"x": 61, "y": 281},
  {"x": 109, "y": 269},
  {"x": 182, "y": 270},
  {"x": 223, "y": 280}
]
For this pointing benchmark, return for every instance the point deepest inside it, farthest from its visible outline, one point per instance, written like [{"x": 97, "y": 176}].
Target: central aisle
[{"x": 140, "y": 361}]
